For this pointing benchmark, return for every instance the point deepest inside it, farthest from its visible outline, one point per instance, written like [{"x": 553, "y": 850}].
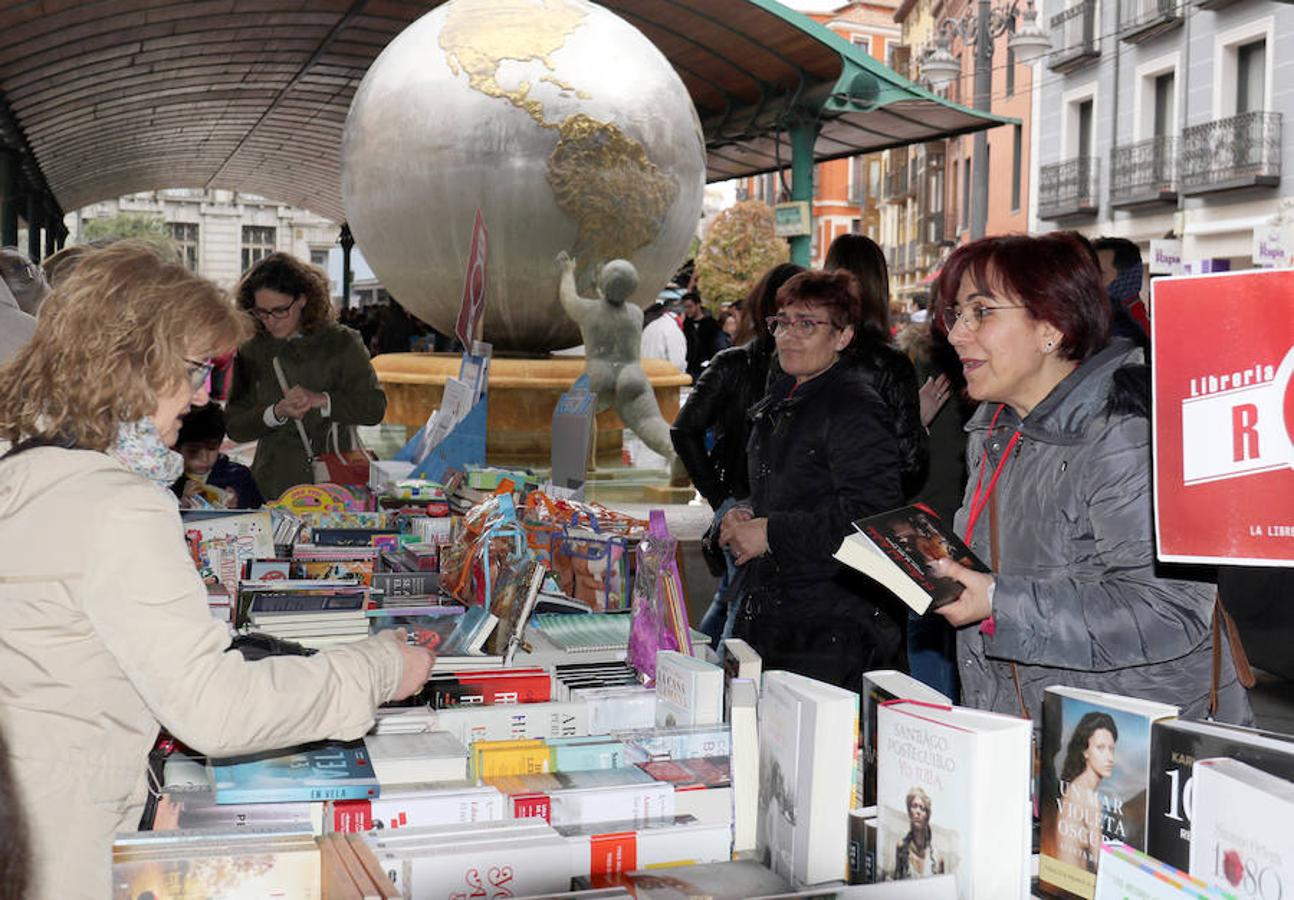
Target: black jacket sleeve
[
  {"x": 709, "y": 399},
  {"x": 895, "y": 379}
]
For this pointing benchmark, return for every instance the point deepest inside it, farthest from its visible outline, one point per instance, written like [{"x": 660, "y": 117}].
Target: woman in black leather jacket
[
  {"x": 891, "y": 372},
  {"x": 820, "y": 456},
  {"x": 733, "y": 381}
]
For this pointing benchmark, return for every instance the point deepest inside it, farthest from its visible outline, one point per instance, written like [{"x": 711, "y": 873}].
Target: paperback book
[
  {"x": 1126, "y": 873},
  {"x": 1175, "y": 745},
  {"x": 1095, "y": 776},
  {"x": 329, "y": 770},
  {"x": 881, "y": 686},
  {"x": 807, "y": 734},
  {"x": 1241, "y": 840},
  {"x": 898, "y": 549},
  {"x": 953, "y": 798},
  {"x": 689, "y": 691}
]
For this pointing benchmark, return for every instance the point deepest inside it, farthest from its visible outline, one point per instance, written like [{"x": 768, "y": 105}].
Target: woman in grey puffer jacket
[{"x": 1061, "y": 447}]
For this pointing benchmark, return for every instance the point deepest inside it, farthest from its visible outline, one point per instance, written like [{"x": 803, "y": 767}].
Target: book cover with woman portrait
[{"x": 1094, "y": 781}]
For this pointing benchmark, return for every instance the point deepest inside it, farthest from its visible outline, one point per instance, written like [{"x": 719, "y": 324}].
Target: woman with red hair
[{"x": 1058, "y": 496}]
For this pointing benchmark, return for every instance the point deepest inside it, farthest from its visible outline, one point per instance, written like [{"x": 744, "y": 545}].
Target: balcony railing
[
  {"x": 1143, "y": 20},
  {"x": 1239, "y": 152},
  {"x": 1069, "y": 188},
  {"x": 1144, "y": 172},
  {"x": 897, "y": 184},
  {"x": 1073, "y": 34},
  {"x": 932, "y": 228}
]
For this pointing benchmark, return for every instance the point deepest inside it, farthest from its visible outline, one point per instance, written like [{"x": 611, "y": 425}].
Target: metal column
[
  {"x": 34, "y": 220},
  {"x": 803, "y": 135},
  {"x": 983, "y": 102},
  {"x": 8, "y": 198},
  {"x": 347, "y": 243}
]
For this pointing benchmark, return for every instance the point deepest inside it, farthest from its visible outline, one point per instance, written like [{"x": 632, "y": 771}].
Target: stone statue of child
[{"x": 612, "y": 331}]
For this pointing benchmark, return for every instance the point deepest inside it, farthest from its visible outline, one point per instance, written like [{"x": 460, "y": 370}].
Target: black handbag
[{"x": 711, "y": 552}]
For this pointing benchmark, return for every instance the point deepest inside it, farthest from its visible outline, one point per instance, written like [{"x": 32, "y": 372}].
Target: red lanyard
[{"x": 981, "y": 497}]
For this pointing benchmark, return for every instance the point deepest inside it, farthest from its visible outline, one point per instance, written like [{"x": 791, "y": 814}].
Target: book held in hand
[{"x": 898, "y": 548}]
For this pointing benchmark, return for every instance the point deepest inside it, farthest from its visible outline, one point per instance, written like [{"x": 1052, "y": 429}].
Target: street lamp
[{"x": 978, "y": 29}]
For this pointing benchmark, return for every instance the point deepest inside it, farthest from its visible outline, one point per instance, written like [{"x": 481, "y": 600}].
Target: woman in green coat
[{"x": 325, "y": 367}]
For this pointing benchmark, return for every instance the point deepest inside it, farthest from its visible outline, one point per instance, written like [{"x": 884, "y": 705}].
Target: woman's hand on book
[
  {"x": 975, "y": 603},
  {"x": 416, "y": 664}
]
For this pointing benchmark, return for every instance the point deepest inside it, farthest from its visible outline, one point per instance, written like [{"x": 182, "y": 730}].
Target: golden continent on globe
[{"x": 600, "y": 177}]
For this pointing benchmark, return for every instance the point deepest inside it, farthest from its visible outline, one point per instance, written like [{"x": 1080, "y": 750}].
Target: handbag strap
[
  {"x": 995, "y": 559},
  {"x": 1224, "y": 628},
  {"x": 301, "y": 428}
]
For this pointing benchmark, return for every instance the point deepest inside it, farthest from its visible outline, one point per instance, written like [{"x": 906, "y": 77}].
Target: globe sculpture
[{"x": 560, "y": 121}]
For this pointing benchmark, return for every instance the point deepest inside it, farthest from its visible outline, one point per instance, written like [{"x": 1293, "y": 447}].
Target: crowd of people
[
  {"x": 1016, "y": 406},
  {"x": 1029, "y": 429}
]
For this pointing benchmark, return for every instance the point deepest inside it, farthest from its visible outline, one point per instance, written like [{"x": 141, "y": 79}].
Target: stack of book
[
  {"x": 245, "y": 863},
  {"x": 482, "y": 859},
  {"x": 312, "y": 617}
]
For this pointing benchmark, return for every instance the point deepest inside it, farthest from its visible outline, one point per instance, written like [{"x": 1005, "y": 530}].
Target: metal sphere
[{"x": 560, "y": 121}]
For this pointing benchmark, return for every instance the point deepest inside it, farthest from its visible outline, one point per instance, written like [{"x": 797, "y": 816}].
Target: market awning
[{"x": 107, "y": 97}]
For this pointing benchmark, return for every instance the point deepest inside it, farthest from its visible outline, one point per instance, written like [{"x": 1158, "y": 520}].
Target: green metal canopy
[
  {"x": 100, "y": 98},
  {"x": 755, "y": 69}
]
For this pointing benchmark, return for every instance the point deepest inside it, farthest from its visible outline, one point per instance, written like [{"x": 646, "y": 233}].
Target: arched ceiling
[{"x": 109, "y": 97}]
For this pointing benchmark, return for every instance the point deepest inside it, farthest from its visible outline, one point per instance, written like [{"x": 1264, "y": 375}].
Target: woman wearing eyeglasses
[
  {"x": 820, "y": 455},
  {"x": 1059, "y": 490},
  {"x": 105, "y": 632},
  {"x": 329, "y": 379}
]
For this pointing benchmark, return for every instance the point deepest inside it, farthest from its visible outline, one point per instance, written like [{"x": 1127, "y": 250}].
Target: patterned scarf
[
  {"x": 1126, "y": 286},
  {"x": 139, "y": 447}
]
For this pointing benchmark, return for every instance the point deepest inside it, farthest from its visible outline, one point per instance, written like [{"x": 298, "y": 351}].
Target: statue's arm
[{"x": 576, "y": 307}]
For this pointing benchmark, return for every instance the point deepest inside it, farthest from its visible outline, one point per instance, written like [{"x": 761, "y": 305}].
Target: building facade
[
  {"x": 915, "y": 201},
  {"x": 934, "y": 182},
  {"x": 848, "y": 194},
  {"x": 221, "y": 234},
  {"x": 1163, "y": 118}
]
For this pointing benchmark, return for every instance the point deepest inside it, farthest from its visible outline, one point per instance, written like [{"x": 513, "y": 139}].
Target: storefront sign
[
  {"x": 1166, "y": 257},
  {"x": 1223, "y": 370},
  {"x": 1272, "y": 247},
  {"x": 791, "y": 219}
]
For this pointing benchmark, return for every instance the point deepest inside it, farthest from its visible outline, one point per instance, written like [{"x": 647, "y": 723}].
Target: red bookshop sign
[{"x": 1224, "y": 417}]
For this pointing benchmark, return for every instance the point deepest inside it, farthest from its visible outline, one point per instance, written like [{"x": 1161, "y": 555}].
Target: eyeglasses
[
  {"x": 972, "y": 315},
  {"x": 199, "y": 372},
  {"x": 799, "y": 327},
  {"x": 278, "y": 312}
]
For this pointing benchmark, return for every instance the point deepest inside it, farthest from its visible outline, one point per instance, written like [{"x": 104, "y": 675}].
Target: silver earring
[{"x": 1050, "y": 345}]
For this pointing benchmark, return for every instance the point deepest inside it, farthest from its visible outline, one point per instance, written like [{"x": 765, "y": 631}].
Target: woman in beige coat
[{"x": 104, "y": 629}]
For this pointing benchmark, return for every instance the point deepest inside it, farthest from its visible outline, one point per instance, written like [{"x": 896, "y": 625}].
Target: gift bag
[
  {"x": 587, "y": 548},
  {"x": 491, "y": 537},
  {"x": 337, "y": 466},
  {"x": 659, "y": 617}
]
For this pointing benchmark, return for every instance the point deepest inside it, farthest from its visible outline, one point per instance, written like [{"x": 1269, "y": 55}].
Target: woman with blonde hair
[
  {"x": 299, "y": 365},
  {"x": 105, "y": 633}
]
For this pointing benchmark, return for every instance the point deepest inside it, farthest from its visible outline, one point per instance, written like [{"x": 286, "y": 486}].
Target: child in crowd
[{"x": 202, "y": 431}]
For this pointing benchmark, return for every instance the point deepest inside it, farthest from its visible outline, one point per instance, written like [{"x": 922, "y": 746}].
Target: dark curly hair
[
  {"x": 1087, "y": 726},
  {"x": 288, "y": 275}
]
